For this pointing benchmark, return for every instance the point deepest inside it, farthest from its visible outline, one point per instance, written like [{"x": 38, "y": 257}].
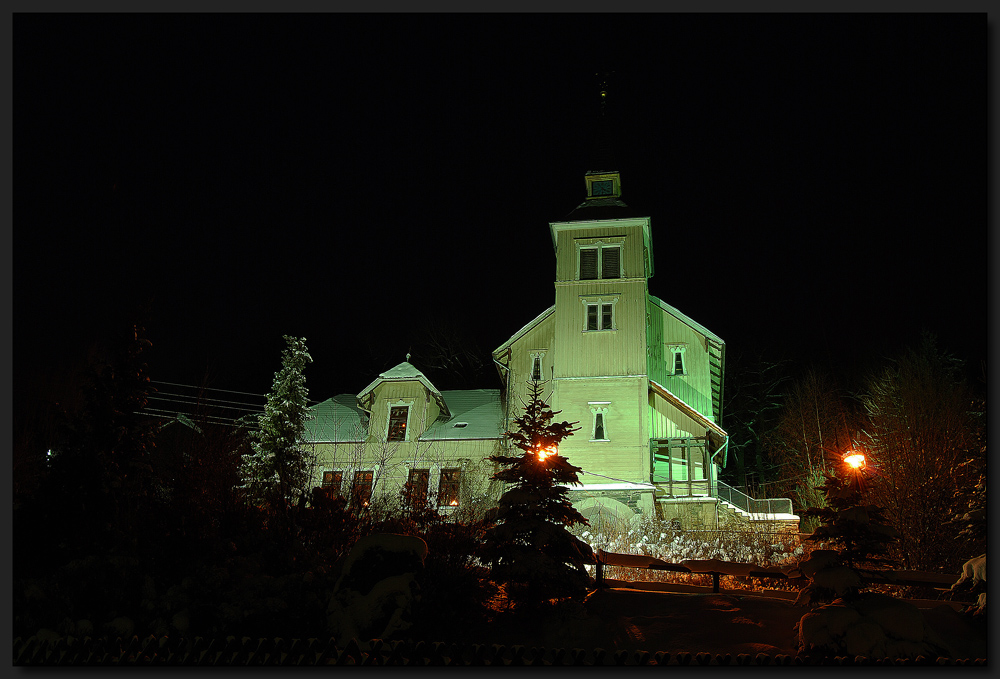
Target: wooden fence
[{"x": 939, "y": 581}]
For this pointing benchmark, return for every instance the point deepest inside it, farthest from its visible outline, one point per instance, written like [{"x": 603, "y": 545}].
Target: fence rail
[{"x": 908, "y": 578}]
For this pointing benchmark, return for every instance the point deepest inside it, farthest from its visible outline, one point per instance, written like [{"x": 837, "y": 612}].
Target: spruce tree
[
  {"x": 278, "y": 468},
  {"x": 529, "y": 548},
  {"x": 858, "y": 529}
]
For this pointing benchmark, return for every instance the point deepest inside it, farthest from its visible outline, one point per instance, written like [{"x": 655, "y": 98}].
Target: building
[{"x": 644, "y": 381}]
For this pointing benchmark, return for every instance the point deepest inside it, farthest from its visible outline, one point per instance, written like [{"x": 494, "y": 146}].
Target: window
[
  {"x": 677, "y": 359},
  {"x": 397, "y": 423},
  {"x": 600, "y": 262},
  {"x": 416, "y": 488},
  {"x": 536, "y": 368},
  {"x": 599, "y": 409},
  {"x": 600, "y": 316},
  {"x": 448, "y": 488},
  {"x": 599, "y": 426},
  {"x": 361, "y": 490},
  {"x": 331, "y": 482}
]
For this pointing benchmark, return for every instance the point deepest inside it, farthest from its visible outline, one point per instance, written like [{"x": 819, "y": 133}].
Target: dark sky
[{"x": 817, "y": 183}]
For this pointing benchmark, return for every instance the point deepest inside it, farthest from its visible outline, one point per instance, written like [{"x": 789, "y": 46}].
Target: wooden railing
[{"x": 939, "y": 581}]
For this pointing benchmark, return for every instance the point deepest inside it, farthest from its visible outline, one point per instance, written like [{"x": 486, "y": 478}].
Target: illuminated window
[
  {"x": 361, "y": 490},
  {"x": 600, "y": 316},
  {"x": 331, "y": 482},
  {"x": 600, "y": 262},
  {"x": 416, "y": 488},
  {"x": 536, "y": 368},
  {"x": 397, "y": 423},
  {"x": 448, "y": 488}
]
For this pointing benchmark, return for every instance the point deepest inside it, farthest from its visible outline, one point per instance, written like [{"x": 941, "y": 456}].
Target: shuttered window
[
  {"x": 605, "y": 261},
  {"x": 588, "y": 264},
  {"x": 611, "y": 262}
]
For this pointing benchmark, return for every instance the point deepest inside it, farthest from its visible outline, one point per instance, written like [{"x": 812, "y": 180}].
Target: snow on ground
[{"x": 666, "y": 617}]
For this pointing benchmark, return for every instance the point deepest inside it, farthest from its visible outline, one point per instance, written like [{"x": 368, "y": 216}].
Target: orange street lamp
[
  {"x": 546, "y": 452},
  {"x": 855, "y": 459}
]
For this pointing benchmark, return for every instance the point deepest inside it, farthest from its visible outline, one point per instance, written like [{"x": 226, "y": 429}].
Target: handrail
[{"x": 775, "y": 505}]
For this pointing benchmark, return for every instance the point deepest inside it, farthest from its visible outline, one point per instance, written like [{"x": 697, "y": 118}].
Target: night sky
[{"x": 817, "y": 183}]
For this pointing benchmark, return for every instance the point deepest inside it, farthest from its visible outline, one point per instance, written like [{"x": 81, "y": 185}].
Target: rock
[{"x": 377, "y": 586}]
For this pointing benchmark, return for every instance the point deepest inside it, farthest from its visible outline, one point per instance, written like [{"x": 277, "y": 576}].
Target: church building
[{"x": 643, "y": 380}]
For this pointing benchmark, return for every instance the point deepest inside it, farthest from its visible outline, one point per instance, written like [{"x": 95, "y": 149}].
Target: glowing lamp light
[
  {"x": 545, "y": 452},
  {"x": 855, "y": 460}
]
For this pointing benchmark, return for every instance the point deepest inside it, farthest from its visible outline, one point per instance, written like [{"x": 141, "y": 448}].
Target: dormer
[{"x": 401, "y": 403}]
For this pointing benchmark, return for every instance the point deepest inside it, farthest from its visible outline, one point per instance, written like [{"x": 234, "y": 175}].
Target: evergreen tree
[
  {"x": 529, "y": 548},
  {"x": 278, "y": 468},
  {"x": 859, "y": 530}
]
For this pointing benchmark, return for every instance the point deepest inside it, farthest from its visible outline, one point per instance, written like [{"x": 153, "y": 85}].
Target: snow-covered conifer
[{"x": 278, "y": 468}]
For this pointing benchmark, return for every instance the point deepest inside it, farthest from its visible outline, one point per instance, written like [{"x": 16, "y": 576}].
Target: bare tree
[{"x": 925, "y": 442}]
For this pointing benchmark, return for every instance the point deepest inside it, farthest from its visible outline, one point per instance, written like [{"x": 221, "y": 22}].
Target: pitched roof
[
  {"x": 601, "y": 208},
  {"x": 531, "y": 324},
  {"x": 477, "y": 412},
  {"x": 686, "y": 319},
  {"x": 337, "y": 420}
]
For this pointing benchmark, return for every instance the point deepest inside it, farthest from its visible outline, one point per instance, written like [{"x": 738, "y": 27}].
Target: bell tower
[{"x": 603, "y": 262}]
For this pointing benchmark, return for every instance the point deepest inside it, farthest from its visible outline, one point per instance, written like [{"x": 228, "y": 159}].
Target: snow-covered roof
[
  {"x": 474, "y": 414},
  {"x": 337, "y": 420}
]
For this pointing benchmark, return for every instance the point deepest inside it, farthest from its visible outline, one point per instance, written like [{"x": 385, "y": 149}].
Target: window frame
[
  {"x": 599, "y": 244},
  {"x": 599, "y": 303},
  {"x": 355, "y": 494},
  {"x": 453, "y": 486},
  {"x": 406, "y": 423},
  {"x": 599, "y": 409},
  {"x": 417, "y": 500},
  {"x": 327, "y": 485},
  {"x": 677, "y": 352}
]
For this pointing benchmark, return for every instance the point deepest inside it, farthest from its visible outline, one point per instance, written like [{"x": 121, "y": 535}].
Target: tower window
[
  {"x": 599, "y": 426},
  {"x": 600, "y": 411},
  {"x": 600, "y": 316},
  {"x": 600, "y": 262},
  {"x": 397, "y": 423}
]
